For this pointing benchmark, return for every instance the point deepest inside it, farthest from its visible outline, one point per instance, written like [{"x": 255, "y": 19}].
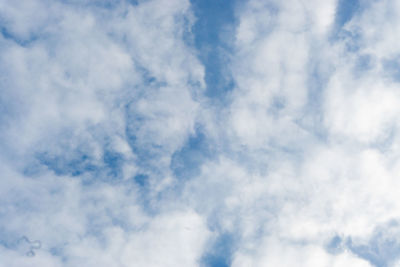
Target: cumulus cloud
[
  {"x": 114, "y": 151},
  {"x": 312, "y": 129},
  {"x": 94, "y": 96}
]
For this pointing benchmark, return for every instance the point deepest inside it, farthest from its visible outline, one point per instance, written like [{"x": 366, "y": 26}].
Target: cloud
[
  {"x": 95, "y": 95},
  {"x": 274, "y": 253},
  {"x": 311, "y": 129},
  {"x": 118, "y": 149}
]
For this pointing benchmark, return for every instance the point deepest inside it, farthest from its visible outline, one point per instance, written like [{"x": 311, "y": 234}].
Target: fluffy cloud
[
  {"x": 95, "y": 95},
  {"x": 114, "y": 154},
  {"x": 312, "y": 127},
  {"x": 273, "y": 253}
]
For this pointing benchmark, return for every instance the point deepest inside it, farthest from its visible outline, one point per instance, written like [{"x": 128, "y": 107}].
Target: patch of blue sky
[
  {"x": 363, "y": 64},
  {"x": 215, "y": 21},
  {"x": 381, "y": 250},
  {"x": 220, "y": 253},
  {"x": 335, "y": 245},
  {"x": 370, "y": 253},
  {"x": 142, "y": 180},
  {"x": 392, "y": 68},
  {"x": 345, "y": 11},
  {"x": 187, "y": 161},
  {"x": 352, "y": 40},
  {"x": 78, "y": 164},
  {"x": 114, "y": 162},
  {"x": 9, "y": 35}
]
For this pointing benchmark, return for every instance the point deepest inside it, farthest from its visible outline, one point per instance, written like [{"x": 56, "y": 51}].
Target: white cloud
[
  {"x": 82, "y": 71},
  {"x": 277, "y": 253},
  {"x": 77, "y": 75},
  {"x": 305, "y": 150},
  {"x": 174, "y": 239},
  {"x": 312, "y": 135}
]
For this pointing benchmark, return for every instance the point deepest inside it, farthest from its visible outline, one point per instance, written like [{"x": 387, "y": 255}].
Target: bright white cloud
[
  {"x": 276, "y": 253},
  {"x": 313, "y": 128},
  {"x": 99, "y": 97},
  {"x": 89, "y": 86}
]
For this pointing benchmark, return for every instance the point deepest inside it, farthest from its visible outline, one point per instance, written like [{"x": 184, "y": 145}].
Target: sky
[{"x": 210, "y": 133}]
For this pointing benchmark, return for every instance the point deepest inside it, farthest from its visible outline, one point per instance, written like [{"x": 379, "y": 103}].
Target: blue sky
[{"x": 207, "y": 133}]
